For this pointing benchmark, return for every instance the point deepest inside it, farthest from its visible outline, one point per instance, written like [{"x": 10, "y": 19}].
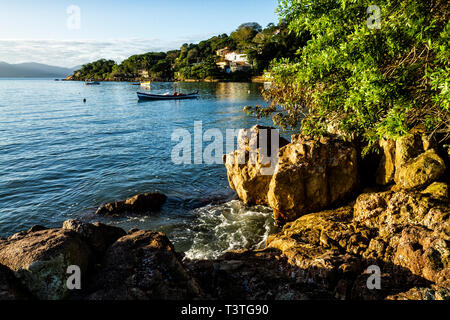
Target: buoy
[{"x": 84, "y": 100}]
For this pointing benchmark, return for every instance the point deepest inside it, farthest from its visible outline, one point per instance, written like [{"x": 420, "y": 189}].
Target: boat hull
[{"x": 148, "y": 96}]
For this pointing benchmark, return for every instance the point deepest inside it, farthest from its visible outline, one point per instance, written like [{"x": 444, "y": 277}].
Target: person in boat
[{"x": 176, "y": 94}]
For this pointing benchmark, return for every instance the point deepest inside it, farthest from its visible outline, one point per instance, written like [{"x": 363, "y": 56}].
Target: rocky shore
[{"x": 341, "y": 214}]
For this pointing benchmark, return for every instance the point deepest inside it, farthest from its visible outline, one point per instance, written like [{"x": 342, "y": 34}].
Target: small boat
[
  {"x": 149, "y": 96},
  {"x": 91, "y": 82}
]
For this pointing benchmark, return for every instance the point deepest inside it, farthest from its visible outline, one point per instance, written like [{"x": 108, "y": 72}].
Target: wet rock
[
  {"x": 141, "y": 203},
  {"x": 40, "y": 260},
  {"x": 98, "y": 236},
  {"x": 420, "y": 171},
  {"x": 245, "y": 166},
  {"x": 140, "y": 266},
  {"x": 312, "y": 175}
]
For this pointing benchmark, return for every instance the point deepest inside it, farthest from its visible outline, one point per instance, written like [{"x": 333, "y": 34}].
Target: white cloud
[{"x": 68, "y": 53}]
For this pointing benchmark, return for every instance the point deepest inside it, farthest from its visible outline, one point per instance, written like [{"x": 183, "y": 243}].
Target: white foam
[{"x": 229, "y": 226}]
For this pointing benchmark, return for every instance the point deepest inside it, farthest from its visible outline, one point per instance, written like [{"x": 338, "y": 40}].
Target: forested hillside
[{"x": 199, "y": 61}]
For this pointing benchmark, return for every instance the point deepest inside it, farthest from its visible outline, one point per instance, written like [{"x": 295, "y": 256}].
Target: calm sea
[{"x": 61, "y": 158}]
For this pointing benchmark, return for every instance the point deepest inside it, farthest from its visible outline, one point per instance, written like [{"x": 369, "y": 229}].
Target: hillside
[
  {"x": 33, "y": 70},
  {"x": 246, "y": 52}
]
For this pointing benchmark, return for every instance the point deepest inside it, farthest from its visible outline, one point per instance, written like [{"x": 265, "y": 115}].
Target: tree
[
  {"x": 95, "y": 70},
  {"x": 245, "y": 33},
  {"x": 371, "y": 83}
]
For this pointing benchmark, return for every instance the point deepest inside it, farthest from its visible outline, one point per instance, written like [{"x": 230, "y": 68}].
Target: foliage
[
  {"x": 97, "y": 70},
  {"x": 198, "y": 61},
  {"x": 367, "y": 83}
]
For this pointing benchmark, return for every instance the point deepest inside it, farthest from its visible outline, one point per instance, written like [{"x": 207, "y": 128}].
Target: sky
[{"x": 71, "y": 33}]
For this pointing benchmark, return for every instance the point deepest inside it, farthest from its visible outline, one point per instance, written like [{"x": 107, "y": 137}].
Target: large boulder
[
  {"x": 245, "y": 166},
  {"x": 410, "y": 161},
  {"x": 411, "y": 229},
  {"x": 141, "y": 203},
  {"x": 40, "y": 260},
  {"x": 312, "y": 175},
  {"x": 140, "y": 266},
  {"x": 420, "y": 171},
  {"x": 425, "y": 253},
  {"x": 97, "y": 235},
  {"x": 390, "y": 212}
]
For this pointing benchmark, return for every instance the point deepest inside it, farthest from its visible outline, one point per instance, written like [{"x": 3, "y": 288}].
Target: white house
[
  {"x": 232, "y": 61},
  {"x": 236, "y": 57}
]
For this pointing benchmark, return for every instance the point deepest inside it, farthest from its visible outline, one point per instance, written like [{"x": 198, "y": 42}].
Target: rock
[
  {"x": 425, "y": 254},
  {"x": 98, "y": 236},
  {"x": 420, "y": 171},
  {"x": 412, "y": 229},
  {"x": 407, "y": 148},
  {"x": 369, "y": 207},
  {"x": 312, "y": 175},
  {"x": 437, "y": 190},
  {"x": 252, "y": 275},
  {"x": 389, "y": 212},
  {"x": 433, "y": 293},
  {"x": 323, "y": 247},
  {"x": 140, "y": 266},
  {"x": 411, "y": 161},
  {"x": 10, "y": 287},
  {"x": 40, "y": 260},
  {"x": 386, "y": 170},
  {"x": 405, "y": 233},
  {"x": 141, "y": 203},
  {"x": 245, "y": 167}
]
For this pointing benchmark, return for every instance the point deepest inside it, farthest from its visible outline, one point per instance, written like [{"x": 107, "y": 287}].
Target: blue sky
[{"x": 37, "y": 30}]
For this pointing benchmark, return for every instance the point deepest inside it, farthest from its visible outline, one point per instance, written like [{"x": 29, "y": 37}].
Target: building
[
  {"x": 232, "y": 61},
  {"x": 223, "y": 52},
  {"x": 143, "y": 73}
]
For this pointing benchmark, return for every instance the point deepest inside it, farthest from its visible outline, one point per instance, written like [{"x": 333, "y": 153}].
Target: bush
[{"x": 370, "y": 83}]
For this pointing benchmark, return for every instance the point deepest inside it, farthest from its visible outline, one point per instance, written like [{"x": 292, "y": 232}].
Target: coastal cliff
[{"x": 336, "y": 227}]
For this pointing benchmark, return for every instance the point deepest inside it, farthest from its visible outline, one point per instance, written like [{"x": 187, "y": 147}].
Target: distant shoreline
[{"x": 175, "y": 81}]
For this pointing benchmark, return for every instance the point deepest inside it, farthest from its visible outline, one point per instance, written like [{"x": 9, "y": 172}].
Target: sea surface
[{"x": 61, "y": 158}]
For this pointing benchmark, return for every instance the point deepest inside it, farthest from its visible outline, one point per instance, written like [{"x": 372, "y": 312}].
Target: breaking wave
[{"x": 229, "y": 226}]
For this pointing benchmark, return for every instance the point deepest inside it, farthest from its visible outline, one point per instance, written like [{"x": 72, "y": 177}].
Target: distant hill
[{"x": 33, "y": 70}]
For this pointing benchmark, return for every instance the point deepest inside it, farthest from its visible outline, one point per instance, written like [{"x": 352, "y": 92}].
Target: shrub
[{"x": 369, "y": 83}]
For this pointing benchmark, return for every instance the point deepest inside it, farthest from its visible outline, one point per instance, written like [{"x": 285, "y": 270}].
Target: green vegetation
[
  {"x": 199, "y": 61},
  {"x": 368, "y": 83},
  {"x": 97, "y": 70}
]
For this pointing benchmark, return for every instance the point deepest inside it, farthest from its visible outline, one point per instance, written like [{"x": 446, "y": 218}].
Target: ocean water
[{"x": 61, "y": 158}]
